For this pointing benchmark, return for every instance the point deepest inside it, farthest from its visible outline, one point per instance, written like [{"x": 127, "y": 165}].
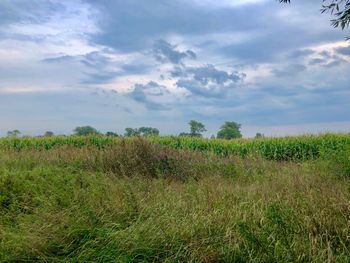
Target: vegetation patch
[{"x": 137, "y": 201}]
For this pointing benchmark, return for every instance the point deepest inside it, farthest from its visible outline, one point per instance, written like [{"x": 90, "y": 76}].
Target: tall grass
[{"x": 143, "y": 202}]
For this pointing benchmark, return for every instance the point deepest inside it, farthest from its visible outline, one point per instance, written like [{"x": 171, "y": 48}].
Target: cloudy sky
[{"x": 277, "y": 69}]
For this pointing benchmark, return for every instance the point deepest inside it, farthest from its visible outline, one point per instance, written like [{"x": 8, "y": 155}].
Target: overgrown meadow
[{"x": 173, "y": 199}]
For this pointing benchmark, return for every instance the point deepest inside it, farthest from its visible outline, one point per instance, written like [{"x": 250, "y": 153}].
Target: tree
[
  {"x": 85, "y": 131},
  {"x": 129, "y": 132},
  {"x": 230, "y": 130},
  {"x": 339, "y": 9},
  {"x": 111, "y": 134},
  {"x": 48, "y": 134},
  {"x": 148, "y": 131},
  {"x": 196, "y": 128},
  {"x": 13, "y": 133},
  {"x": 143, "y": 131},
  {"x": 259, "y": 135}
]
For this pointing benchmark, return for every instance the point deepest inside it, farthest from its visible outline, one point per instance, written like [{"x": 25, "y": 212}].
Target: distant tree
[
  {"x": 48, "y": 134},
  {"x": 148, "y": 131},
  {"x": 129, "y": 132},
  {"x": 212, "y": 136},
  {"x": 339, "y": 9},
  {"x": 142, "y": 131},
  {"x": 230, "y": 130},
  {"x": 197, "y": 128},
  {"x": 259, "y": 135},
  {"x": 85, "y": 131},
  {"x": 13, "y": 133},
  {"x": 111, "y": 134}
]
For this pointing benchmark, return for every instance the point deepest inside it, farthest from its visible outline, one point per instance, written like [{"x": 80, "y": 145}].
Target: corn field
[{"x": 280, "y": 149}]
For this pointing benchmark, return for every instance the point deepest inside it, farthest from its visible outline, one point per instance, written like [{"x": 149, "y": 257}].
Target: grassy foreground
[{"x": 142, "y": 202}]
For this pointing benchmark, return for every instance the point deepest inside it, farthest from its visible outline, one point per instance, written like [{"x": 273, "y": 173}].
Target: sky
[{"x": 277, "y": 69}]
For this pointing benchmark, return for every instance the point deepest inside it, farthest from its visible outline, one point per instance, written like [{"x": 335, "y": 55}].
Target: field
[
  {"x": 170, "y": 199},
  {"x": 279, "y": 149}
]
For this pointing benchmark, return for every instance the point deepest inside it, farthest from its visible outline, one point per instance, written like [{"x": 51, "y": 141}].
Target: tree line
[{"x": 229, "y": 130}]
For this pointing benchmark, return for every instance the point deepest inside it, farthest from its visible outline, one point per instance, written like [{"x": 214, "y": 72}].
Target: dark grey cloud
[
  {"x": 135, "y": 68},
  {"x": 100, "y": 68},
  {"x": 123, "y": 108},
  {"x": 276, "y": 35},
  {"x": 198, "y": 89},
  {"x": 210, "y": 73},
  {"x": 289, "y": 70},
  {"x": 317, "y": 61},
  {"x": 335, "y": 63},
  {"x": 178, "y": 71},
  {"x": 97, "y": 65},
  {"x": 301, "y": 53},
  {"x": 271, "y": 33},
  {"x": 100, "y": 71},
  {"x": 152, "y": 88},
  {"x": 325, "y": 54},
  {"x": 165, "y": 52},
  {"x": 144, "y": 93},
  {"x": 272, "y": 42},
  {"x": 23, "y": 11},
  {"x": 99, "y": 78},
  {"x": 104, "y": 92},
  {"x": 206, "y": 81},
  {"x": 156, "y": 18},
  {"x": 59, "y": 59},
  {"x": 327, "y": 60},
  {"x": 343, "y": 50},
  {"x": 95, "y": 60},
  {"x": 125, "y": 30}
]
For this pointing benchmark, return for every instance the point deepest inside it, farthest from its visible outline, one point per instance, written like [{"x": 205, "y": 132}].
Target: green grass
[{"x": 136, "y": 201}]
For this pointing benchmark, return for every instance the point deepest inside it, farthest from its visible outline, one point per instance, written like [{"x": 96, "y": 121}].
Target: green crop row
[
  {"x": 279, "y": 149},
  {"x": 45, "y": 143}
]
